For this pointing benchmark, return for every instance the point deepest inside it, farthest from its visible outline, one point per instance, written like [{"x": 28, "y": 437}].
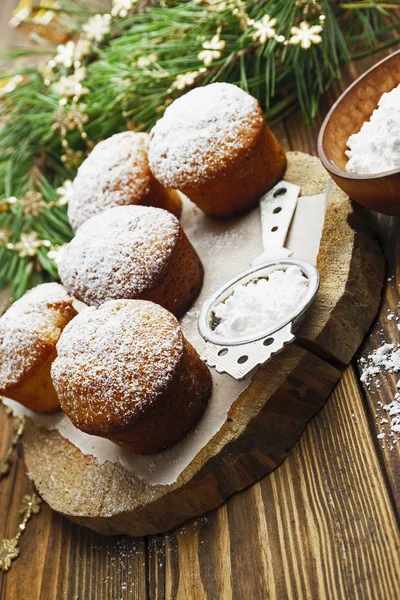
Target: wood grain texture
[
  {"x": 250, "y": 547},
  {"x": 382, "y": 389},
  {"x": 317, "y": 527}
]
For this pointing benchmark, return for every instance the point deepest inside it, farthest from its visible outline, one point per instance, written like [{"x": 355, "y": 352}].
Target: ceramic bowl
[{"x": 381, "y": 191}]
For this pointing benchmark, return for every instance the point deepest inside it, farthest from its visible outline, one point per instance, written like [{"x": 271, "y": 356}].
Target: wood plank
[
  {"x": 320, "y": 526},
  {"x": 60, "y": 560},
  {"x": 383, "y": 387},
  {"x": 7, "y": 484}
]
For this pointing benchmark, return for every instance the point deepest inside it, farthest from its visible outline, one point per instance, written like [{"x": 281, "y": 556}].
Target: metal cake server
[{"x": 238, "y": 356}]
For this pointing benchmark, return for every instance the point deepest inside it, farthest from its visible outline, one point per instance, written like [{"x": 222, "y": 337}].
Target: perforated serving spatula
[{"x": 238, "y": 356}]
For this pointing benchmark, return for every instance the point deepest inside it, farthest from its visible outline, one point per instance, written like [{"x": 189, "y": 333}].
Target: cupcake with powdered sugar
[
  {"x": 29, "y": 332},
  {"x": 117, "y": 173},
  {"x": 213, "y": 145},
  {"x": 132, "y": 252},
  {"x": 124, "y": 371}
]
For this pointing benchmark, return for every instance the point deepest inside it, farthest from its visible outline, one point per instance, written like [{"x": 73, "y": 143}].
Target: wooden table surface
[{"x": 324, "y": 525}]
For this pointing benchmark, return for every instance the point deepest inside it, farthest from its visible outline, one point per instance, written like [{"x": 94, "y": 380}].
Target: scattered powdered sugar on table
[
  {"x": 123, "y": 558},
  {"x": 115, "y": 173},
  {"x": 388, "y": 416},
  {"x": 376, "y": 147},
  {"x": 385, "y": 358},
  {"x": 201, "y": 131},
  {"x": 261, "y": 304},
  {"x": 393, "y": 410}
]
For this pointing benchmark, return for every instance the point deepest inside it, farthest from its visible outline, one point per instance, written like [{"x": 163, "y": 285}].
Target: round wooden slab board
[{"x": 265, "y": 420}]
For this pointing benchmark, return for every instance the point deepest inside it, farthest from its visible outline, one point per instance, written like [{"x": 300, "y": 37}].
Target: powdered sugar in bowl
[
  {"x": 255, "y": 314},
  {"x": 377, "y": 190}
]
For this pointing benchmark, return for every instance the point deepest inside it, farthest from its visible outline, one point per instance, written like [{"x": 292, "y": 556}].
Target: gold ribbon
[{"x": 30, "y": 505}]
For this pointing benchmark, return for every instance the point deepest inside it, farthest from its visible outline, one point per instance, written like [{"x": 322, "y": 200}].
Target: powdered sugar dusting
[
  {"x": 120, "y": 253},
  {"x": 201, "y": 132},
  {"x": 114, "y": 361},
  {"x": 393, "y": 410},
  {"x": 388, "y": 418},
  {"x": 30, "y": 329},
  {"x": 115, "y": 173},
  {"x": 384, "y": 358}
]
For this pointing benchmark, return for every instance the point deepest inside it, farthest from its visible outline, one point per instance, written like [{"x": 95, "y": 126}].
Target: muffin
[
  {"x": 125, "y": 372},
  {"x": 133, "y": 252},
  {"x": 29, "y": 332},
  {"x": 117, "y": 173},
  {"x": 213, "y": 145}
]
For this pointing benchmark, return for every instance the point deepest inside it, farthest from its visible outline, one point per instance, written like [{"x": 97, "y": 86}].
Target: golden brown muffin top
[
  {"x": 120, "y": 253},
  {"x": 30, "y": 329},
  {"x": 202, "y": 133},
  {"x": 115, "y": 173},
  {"x": 114, "y": 362}
]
